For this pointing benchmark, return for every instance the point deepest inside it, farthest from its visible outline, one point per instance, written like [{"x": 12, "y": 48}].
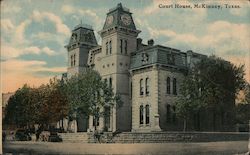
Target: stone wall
[{"x": 164, "y": 137}]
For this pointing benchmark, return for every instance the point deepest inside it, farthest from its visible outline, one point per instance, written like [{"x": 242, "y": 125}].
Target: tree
[
  {"x": 18, "y": 108},
  {"x": 212, "y": 84},
  {"x": 243, "y": 108},
  {"x": 88, "y": 94},
  {"x": 43, "y": 105},
  {"x": 53, "y": 103}
]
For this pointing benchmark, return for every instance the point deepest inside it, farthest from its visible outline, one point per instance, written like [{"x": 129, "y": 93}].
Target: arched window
[
  {"x": 174, "y": 87},
  {"x": 168, "y": 85},
  {"x": 141, "y": 87},
  {"x": 147, "y": 114},
  {"x": 141, "y": 114},
  {"x": 168, "y": 113},
  {"x": 147, "y": 86}
]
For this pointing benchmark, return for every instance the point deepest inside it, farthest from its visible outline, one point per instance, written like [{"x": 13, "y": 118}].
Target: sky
[{"x": 34, "y": 32}]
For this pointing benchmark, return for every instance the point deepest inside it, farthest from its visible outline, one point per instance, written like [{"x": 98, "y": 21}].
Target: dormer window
[
  {"x": 144, "y": 58},
  {"x": 74, "y": 37},
  {"x": 171, "y": 58}
]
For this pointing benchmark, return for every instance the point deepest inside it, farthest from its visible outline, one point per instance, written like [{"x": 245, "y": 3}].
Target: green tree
[
  {"x": 43, "y": 105},
  {"x": 88, "y": 94},
  {"x": 18, "y": 108},
  {"x": 52, "y": 104},
  {"x": 212, "y": 84}
]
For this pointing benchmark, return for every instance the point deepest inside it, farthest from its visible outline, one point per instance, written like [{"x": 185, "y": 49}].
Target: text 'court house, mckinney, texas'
[{"x": 147, "y": 77}]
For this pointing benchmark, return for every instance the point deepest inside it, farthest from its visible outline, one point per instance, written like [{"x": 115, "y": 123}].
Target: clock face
[
  {"x": 126, "y": 19},
  {"x": 110, "y": 19}
]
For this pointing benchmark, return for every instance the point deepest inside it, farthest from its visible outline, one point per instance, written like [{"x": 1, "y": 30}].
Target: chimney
[{"x": 151, "y": 42}]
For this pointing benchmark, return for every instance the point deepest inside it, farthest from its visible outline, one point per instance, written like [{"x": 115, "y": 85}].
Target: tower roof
[
  {"x": 82, "y": 34},
  {"x": 119, "y": 16}
]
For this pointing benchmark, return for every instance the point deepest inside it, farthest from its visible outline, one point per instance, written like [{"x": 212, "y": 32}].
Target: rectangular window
[
  {"x": 110, "y": 82},
  {"x": 168, "y": 85},
  {"x": 174, "y": 87},
  {"x": 147, "y": 114},
  {"x": 106, "y": 81},
  {"x": 168, "y": 116},
  {"x": 141, "y": 114},
  {"x": 147, "y": 86},
  {"x": 107, "y": 48},
  {"x": 71, "y": 60},
  {"x": 121, "y": 47},
  {"x": 107, "y": 118},
  {"x": 110, "y": 47},
  {"x": 126, "y": 46},
  {"x": 74, "y": 60},
  {"x": 141, "y": 87}
]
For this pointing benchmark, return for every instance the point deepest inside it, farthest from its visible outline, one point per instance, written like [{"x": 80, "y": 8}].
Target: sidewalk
[{"x": 230, "y": 148}]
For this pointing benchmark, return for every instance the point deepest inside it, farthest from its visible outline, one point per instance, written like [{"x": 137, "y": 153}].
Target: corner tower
[
  {"x": 81, "y": 41},
  {"x": 119, "y": 35}
]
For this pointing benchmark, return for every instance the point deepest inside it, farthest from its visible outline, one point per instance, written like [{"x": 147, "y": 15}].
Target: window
[
  {"x": 147, "y": 86},
  {"x": 106, "y": 81},
  {"x": 126, "y": 46},
  {"x": 174, "y": 87},
  {"x": 174, "y": 115},
  {"x": 168, "y": 113},
  {"x": 147, "y": 114},
  {"x": 168, "y": 85},
  {"x": 74, "y": 59},
  {"x": 141, "y": 87},
  {"x": 110, "y": 82},
  {"x": 141, "y": 114},
  {"x": 106, "y": 48},
  {"x": 107, "y": 118},
  {"x": 71, "y": 59},
  {"x": 110, "y": 47},
  {"x": 96, "y": 118},
  {"x": 121, "y": 45}
]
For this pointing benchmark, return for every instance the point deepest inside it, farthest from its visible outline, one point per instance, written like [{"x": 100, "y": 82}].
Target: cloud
[
  {"x": 222, "y": 38},
  {"x": 60, "y": 26},
  {"x": 67, "y": 9},
  {"x": 19, "y": 37},
  {"x": 48, "y": 51},
  {"x": 26, "y": 73},
  {"x": 7, "y": 7},
  {"x": 7, "y": 25},
  {"x": 8, "y": 52}
]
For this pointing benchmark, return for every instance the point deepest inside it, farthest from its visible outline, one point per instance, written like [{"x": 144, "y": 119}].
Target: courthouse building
[{"x": 147, "y": 76}]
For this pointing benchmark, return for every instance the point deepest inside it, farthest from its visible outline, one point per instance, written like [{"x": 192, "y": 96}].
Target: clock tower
[{"x": 119, "y": 39}]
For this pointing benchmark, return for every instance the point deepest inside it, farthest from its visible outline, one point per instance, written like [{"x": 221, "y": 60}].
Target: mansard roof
[
  {"x": 82, "y": 34},
  {"x": 115, "y": 15},
  {"x": 162, "y": 55}
]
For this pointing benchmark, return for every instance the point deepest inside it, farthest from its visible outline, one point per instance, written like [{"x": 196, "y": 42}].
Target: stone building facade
[{"x": 147, "y": 77}]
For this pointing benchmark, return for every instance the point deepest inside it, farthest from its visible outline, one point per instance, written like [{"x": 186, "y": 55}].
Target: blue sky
[{"x": 34, "y": 32}]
